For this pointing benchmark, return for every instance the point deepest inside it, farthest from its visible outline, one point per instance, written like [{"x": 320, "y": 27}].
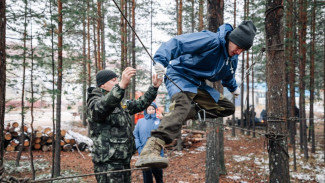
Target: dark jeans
[
  {"x": 120, "y": 177},
  {"x": 181, "y": 109},
  {"x": 157, "y": 172}
]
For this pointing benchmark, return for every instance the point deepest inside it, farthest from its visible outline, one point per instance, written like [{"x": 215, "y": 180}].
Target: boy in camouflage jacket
[{"x": 111, "y": 127}]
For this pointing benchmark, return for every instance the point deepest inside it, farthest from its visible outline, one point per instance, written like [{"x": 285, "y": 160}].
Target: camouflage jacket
[{"x": 111, "y": 127}]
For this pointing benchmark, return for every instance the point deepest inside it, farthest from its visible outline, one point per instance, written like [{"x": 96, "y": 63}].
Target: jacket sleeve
[
  {"x": 101, "y": 107},
  {"x": 136, "y": 135},
  {"x": 135, "y": 106},
  {"x": 193, "y": 43},
  {"x": 230, "y": 83}
]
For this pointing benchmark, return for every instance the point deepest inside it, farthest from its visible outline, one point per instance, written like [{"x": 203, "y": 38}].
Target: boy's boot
[{"x": 150, "y": 155}]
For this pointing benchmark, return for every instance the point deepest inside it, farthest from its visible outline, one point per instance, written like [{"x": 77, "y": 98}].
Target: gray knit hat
[
  {"x": 103, "y": 76},
  {"x": 243, "y": 35}
]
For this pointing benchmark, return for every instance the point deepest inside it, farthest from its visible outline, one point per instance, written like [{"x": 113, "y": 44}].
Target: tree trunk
[
  {"x": 192, "y": 16},
  {"x": 99, "y": 17},
  {"x": 133, "y": 48},
  {"x": 84, "y": 69},
  {"x": 32, "y": 106},
  {"x": 235, "y": 4},
  {"x": 94, "y": 33},
  {"x": 302, "y": 72},
  {"x": 213, "y": 169},
  {"x": 253, "y": 99},
  {"x": 53, "y": 89},
  {"x": 324, "y": 81},
  {"x": 200, "y": 28},
  {"x": 211, "y": 153},
  {"x": 180, "y": 18},
  {"x": 21, "y": 138},
  {"x": 123, "y": 64},
  {"x": 103, "y": 63},
  {"x": 88, "y": 38},
  {"x": 57, "y": 158},
  {"x": 2, "y": 75},
  {"x": 312, "y": 81},
  {"x": 276, "y": 94}
]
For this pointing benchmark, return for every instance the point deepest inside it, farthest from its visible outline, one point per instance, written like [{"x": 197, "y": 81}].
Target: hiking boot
[{"x": 150, "y": 155}]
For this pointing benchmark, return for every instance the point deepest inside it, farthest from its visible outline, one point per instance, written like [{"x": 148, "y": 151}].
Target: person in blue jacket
[
  {"x": 189, "y": 60},
  {"x": 141, "y": 133}
]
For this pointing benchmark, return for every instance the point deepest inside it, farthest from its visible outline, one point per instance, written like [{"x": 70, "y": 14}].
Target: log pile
[
  {"x": 42, "y": 139},
  {"x": 188, "y": 138}
]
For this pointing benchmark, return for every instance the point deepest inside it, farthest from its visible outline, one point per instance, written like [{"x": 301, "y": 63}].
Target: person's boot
[{"x": 150, "y": 155}]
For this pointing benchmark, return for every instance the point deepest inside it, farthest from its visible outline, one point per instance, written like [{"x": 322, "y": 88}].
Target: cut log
[
  {"x": 72, "y": 141},
  {"x": 26, "y": 143},
  {"x": 25, "y": 128},
  {"x": 37, "y": 140},
  {"x": 8, "y": 136},
  {"x": 37, "y": 146},
  {"x": 10, "y": 148},
  {"x": 49, "y": 140},
  {"x": 14, "y": 142},
  {"x": 45, "y": 148},
  {"x": 66, "y": 140},
  {"x": 15, "y": 124},
  {"x": 38, "y": 134},
  {"x": 62, "y": 143},
  {"x": 63, "y": 132},
  {"x": 47, "y": 130},
  {"x": 50, "y": 147},
  {"x": 67, "y": 147}
]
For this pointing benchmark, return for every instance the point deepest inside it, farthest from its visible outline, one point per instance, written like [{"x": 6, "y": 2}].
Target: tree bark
[
  {"x": 102, "y": 36},
  {"x": 312, "y": 81},
  {"x": 21, "y": 138},
  {"x": 99, "y": 17},
  {"x": 276, "y": 94},
  {"x": 88, "y": 38},
  {"x": 84, "y": 68},
  {"x": 57, "y": 158},
  {"x": 94, "y": 34},
  {"x": 302, "y": 72},
  {"x": 32, "y": 105},
  {"x": 180, "y": 18},
  {"x": 248, "y": 116},
  {"x": 200, "y": 28},
  {"x": 2, "y": 75}
]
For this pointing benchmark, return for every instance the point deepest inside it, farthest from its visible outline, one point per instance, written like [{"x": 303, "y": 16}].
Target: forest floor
[{"x": 246, "y": 160}]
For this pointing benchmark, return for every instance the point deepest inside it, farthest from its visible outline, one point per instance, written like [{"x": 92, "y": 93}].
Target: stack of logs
[
  {"x": 42, "y": 139},
  {"x": 188, "y": 138}
]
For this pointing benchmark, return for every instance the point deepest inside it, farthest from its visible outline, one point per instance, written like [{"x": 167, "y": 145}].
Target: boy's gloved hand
[
  {"x": 159, "y": 69},
  {"x": 236, "y": 93}
]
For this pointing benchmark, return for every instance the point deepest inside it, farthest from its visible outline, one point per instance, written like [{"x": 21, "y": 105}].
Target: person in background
[
  {"x": 189, "y": 60},
  {"x": 111, "y": 127},
  {"x": 141, "y": 133}
]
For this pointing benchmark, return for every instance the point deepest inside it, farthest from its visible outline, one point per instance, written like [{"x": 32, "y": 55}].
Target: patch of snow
[
  {"x": 233, "y": 138},
  {"x": 234, "y": 177},
  {"x": 178, "y": 153},
  {"x": 201, "y": 148},
  {"x": 241, "y": 158},
  {"x": 301, "y": 176}
]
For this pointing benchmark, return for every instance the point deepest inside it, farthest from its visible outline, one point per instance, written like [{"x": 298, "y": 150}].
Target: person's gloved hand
[
  {"x": 159, "y": 69},
  {"x": 236, "y": 93}
]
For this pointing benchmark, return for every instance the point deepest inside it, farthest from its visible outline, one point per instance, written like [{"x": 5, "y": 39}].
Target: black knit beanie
[
  {"x": 243, "y": 35},
  {"x": 103, "y": 76}
]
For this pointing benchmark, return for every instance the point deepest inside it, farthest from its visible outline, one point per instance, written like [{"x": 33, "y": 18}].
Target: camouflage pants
[
  {"x": 181, "y": 109},
  {"x": 122, "y": 177}
]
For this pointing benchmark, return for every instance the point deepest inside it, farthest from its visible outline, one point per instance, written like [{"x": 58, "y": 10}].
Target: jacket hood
[
  {"x": 223, "y": 31},
  {"x": 148, "y": 116},
  {"x": 93, "y": 91}
]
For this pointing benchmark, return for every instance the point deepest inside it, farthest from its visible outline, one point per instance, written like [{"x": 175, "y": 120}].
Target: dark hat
[
  {"x": 243, "y": 35},
  {"x": 103, "y": 76}
]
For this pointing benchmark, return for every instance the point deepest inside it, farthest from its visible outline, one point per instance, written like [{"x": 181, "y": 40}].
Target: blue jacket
[
  {"x": 192, "y": 58},
  {"x": 143, "y": 129}
]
